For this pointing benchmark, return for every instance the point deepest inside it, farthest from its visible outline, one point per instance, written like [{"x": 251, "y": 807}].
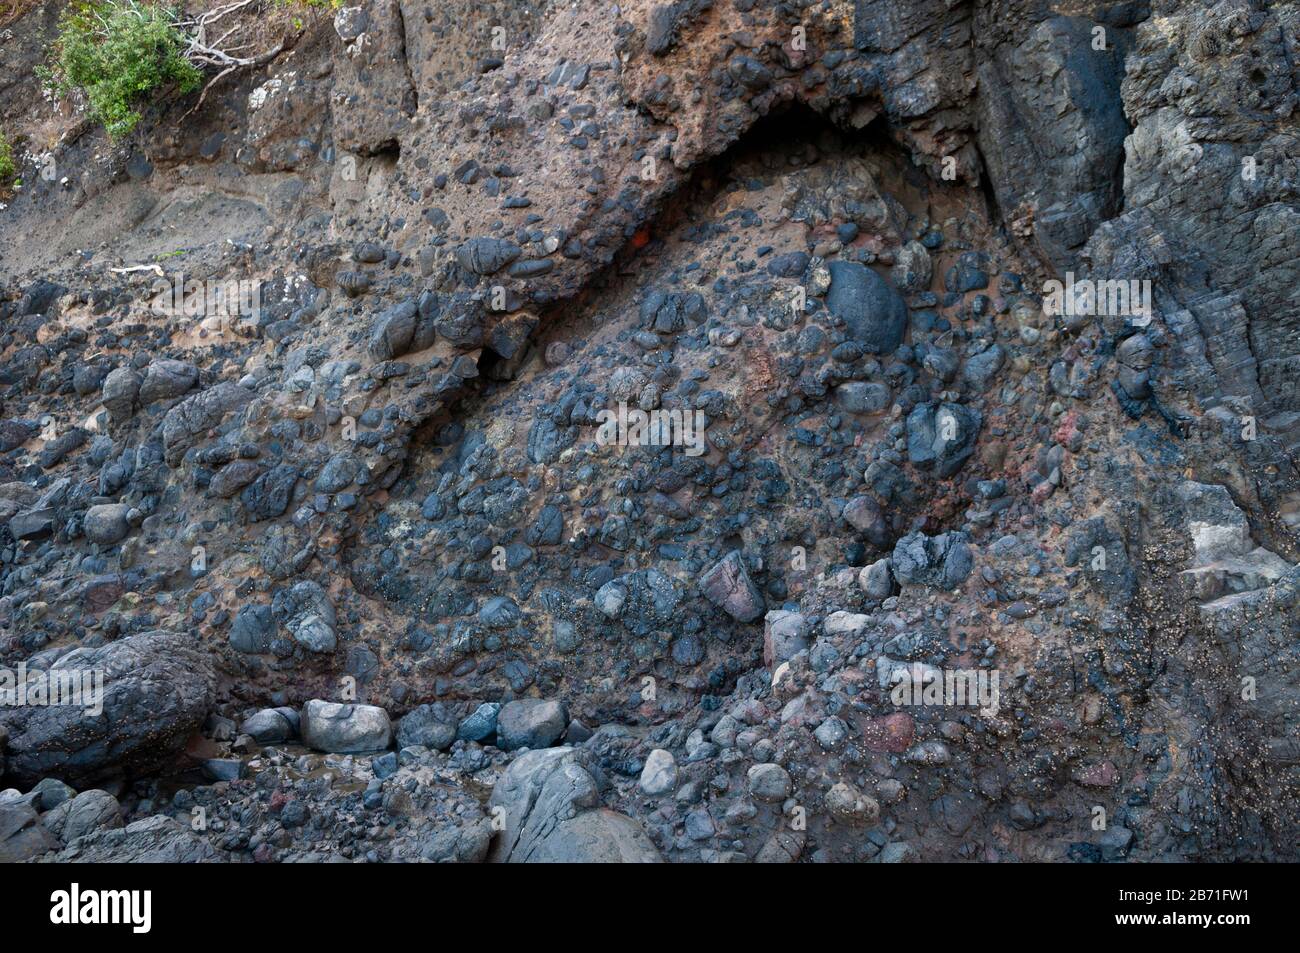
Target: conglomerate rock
[{"x": 880, "y": 414}]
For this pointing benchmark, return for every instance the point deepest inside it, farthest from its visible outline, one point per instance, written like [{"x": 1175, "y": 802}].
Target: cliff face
[{"x": 671, "y": 387}]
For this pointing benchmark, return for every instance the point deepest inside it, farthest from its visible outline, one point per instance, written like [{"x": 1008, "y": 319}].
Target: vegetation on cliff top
[{"x": 116, "y": 52}]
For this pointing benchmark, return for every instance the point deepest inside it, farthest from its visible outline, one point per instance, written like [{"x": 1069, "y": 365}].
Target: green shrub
[
  {"x": 116, "y": 52},
  {"x": 8, "y": 170}
]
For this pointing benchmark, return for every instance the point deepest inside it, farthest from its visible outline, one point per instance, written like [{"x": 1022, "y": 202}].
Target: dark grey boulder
[
  {"x": 942, "y": 561},
  {"x": 119, "y": 393},
  {"x": 83, "y": 814},
  {"x": 486, "y": 256},
  {"x": 270, "y": 494},
  {"x": 873, "y": 310},
  {"x": 530, "y": 723},
  {"x": 481, "y": 724},
  {"x": 393, "y": 331},
  {"x": 166, "y": 378},
  {"x": 194, "y": 416},
  {"x": 429, "y": 726},
  {"x": 157, "y": 689},
  {"x": 22, "y": 837},
  {"x": 106, "y": 524},
  {"x": 272, "y": 726},
  {"x": 253, "y": 629}
]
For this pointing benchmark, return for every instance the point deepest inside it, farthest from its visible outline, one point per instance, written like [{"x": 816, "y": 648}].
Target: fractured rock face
[{"x": 553, "y": 815}]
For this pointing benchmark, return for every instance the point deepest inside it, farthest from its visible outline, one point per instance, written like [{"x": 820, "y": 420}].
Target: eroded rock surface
[{"x": 675, "y": 391}]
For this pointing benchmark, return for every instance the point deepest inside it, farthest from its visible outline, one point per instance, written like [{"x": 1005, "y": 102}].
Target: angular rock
[{"x": 728, "y": 586}]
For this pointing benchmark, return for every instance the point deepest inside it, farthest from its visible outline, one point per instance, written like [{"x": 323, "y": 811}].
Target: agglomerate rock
[{"x": 654, "y": 437}]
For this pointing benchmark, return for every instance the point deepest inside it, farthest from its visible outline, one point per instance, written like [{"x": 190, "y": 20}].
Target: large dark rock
[
  {"x": 874, "y": 312},
  {"x": 486, "y": 256},
  {"x": 157, "y": 689}
]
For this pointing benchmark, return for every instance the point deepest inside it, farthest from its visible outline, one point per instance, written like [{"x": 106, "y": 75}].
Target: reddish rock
[
  {"x": 101, "y": 592},
  {"x": 891, "y": 733},
  {"x": 1102, "y": 775}
]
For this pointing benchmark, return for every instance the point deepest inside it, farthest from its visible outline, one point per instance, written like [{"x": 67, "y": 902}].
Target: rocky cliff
[{"x": 715, "y": 430}]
